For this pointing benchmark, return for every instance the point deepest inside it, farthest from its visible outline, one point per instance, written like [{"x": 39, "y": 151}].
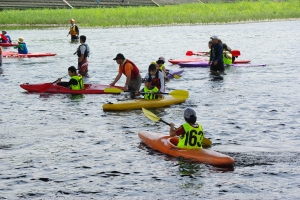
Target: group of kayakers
[{"x": 190, "y": 133}]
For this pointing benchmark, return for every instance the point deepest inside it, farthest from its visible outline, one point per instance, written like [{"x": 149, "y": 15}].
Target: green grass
[{"x": 239, "y": 11}]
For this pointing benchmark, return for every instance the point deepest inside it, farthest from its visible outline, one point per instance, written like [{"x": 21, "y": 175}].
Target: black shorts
[
  {"x": 74, "y": 37},
  {"x": 219, "y": 67}
]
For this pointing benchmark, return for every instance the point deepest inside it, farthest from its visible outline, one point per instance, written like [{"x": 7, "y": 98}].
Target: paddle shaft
[
  {"x": 46, "y": 87},
  {"x": 164, "y": 122}
]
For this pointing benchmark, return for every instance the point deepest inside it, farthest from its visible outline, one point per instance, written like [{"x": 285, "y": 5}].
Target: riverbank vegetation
[{"x": 196, "y": 13}]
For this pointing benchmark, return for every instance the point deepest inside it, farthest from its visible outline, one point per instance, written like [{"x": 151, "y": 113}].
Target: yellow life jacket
[
  {"x": 80, "y": 84},
  {"x": 161, "y": 67},
  {"x": 192, "y": 138},
  {"x": 227, "y": 61},
  {"x": 149, "y": 96},
  {"x": 73, "y": 30}
]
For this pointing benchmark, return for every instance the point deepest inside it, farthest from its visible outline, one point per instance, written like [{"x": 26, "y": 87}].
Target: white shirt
[{"x": 161, "y": 78}]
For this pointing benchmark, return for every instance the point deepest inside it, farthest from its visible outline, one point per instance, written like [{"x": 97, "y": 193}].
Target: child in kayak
[
  {"x": 227, "y": 56},
  {"x": 7, "y": 40},
  {"x": 75, "y": 83},
  {"x": 161, "y": 66},
  {"x": 22, "y": 48},
  {"x": 190, "y": 133},
  {"x": 149, "y": 91},
  {"x": 157, "y": 77}
]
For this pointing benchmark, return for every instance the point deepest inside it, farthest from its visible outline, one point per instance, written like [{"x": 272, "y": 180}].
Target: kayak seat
[{"x": 174, "y": 141}]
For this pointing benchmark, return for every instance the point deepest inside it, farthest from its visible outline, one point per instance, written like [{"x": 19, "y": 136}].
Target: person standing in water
[
  {"x": 216, "y": 56},
  {"x": 83, "y": 51},
  {"x": 74, "y": 30},
  {"x": 132, "y": 73}
]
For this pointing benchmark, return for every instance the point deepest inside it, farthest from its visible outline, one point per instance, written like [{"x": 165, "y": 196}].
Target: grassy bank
[{"x": 150, "y": 16}]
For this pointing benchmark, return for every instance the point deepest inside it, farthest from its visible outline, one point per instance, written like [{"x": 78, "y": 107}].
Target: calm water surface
[{"x": 66, "y": 147}]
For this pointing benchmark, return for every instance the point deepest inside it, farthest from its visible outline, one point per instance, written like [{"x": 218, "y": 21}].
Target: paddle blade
[
  {"x": 180, "y": 94},
  {"x": 113, "y": 90},
  {"x": 150, "y": 115},
  {"x": 176, "y": 76},
  {"x": 189, "y": 53},
  {"x": 206, "y": 142},
  {"x": 235, "y": 53}
]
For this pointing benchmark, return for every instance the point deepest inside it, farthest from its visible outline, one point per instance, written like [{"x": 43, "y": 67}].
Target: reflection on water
[
  {"x": 76, "y": 97},
  {"x": 186, "y": 168}
]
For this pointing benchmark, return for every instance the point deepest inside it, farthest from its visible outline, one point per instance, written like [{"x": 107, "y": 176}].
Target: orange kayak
[{"x": 167, "y": 145}]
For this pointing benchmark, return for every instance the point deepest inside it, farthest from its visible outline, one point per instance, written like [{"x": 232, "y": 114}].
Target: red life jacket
[
  {"x": 135, "y": 72},
  {"x": 156, "y": 81}
]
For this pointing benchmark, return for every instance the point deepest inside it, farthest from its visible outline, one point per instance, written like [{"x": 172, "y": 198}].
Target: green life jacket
[
  {"x": 227, "y": 61},
  {"x": 192, "y": 138},
  {"x": 80, "y": 84},
  {"x": 151, "y": 96}
]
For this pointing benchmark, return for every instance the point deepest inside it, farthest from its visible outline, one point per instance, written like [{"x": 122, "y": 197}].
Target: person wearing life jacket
[
  {"x": 74, "y": 30},
  {"x": 190, "y": 133},
  {"x": 149, "y": 91},
  {"x": 129, "y": 69},
  {"x": 156, "y": 76},
  {"x": 6, "y": 38},
  {"x": 161, "y": 66},
  {"x": 22, "y": 48},
  {"x": 83, "y": 51},
  {"x": 216, "y": 56},
  {"x": 227, "y": 56},
  {"x": 76, "y": 81}
]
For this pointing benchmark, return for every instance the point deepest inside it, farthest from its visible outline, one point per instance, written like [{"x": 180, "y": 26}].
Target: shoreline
[{"x": 57, "y": 26}]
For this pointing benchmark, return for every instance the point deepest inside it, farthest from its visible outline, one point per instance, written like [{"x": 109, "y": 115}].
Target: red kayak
[
  {"x": 10, "y": 54},
  {"x": 7, "y": 44},
  {"x": 53, "y": 88},
  {"x": 185, "y": 60}
]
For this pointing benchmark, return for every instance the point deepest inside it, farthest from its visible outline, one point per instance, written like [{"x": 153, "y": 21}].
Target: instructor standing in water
[
  {"x": 216, "y": 57},
  {"x": 74, "y": 30},
  {"x": 132, "y": 73}
]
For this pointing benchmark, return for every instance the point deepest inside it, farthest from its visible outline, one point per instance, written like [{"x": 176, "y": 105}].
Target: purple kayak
[
  {"x": 205, "y": 64},
  {"x": 173, "y": 72}
]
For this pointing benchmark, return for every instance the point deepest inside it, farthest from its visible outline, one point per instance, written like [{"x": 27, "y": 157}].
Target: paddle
[
  {"x": 153, "y": 117},
  {"x": 235, "y": 53},
  {"x": 178, "y": 94},
  {"x": 48, "y": 85},
  {"x": 191, "y": 53},
  {"x": 3, "y": 37}
]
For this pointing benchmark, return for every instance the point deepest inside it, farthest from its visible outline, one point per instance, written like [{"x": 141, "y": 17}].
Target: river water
[{"x": 66, "y": 147}]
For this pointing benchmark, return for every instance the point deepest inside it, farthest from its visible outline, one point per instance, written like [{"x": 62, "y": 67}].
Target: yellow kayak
[{"x": 142, "y": 103}]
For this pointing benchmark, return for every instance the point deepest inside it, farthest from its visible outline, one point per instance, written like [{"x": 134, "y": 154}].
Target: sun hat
[
  {"x": 119, "y": 56},
  {"x": 72, "y": 20},
  {"x": 214, "y": 37},
  {"x": 189, "y": 113},
  {"x": 21, "y": 39}
]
